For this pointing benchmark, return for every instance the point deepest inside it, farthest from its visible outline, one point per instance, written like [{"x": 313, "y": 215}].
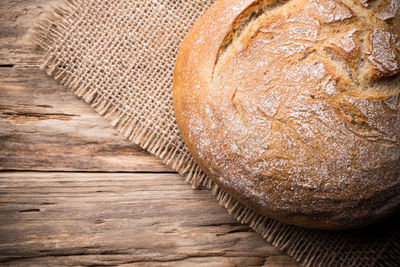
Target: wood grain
[
  {"x": 46, "y": 127},
  {"x": 68, "y": 203},
  {"x": 123, "y": 218}
]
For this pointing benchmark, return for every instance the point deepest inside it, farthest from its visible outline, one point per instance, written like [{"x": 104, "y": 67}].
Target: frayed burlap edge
[{"x": 45, "y": 35}]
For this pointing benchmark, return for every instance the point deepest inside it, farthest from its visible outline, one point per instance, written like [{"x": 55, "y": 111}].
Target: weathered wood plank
[
  {"x": 46, "y": 127},
  {"x": 123, "y": 260},
  {"x": 97, "y": 218}
]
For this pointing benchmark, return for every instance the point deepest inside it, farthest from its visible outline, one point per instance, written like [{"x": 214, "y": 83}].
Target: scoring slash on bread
[{"x": 293, "y": 107}]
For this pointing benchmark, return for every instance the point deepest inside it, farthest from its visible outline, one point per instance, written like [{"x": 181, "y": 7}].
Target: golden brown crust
[{"x": 293, "y": 107}]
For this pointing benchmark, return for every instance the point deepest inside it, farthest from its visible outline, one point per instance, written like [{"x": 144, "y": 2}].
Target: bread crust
[{"x": 293, "y": 107}]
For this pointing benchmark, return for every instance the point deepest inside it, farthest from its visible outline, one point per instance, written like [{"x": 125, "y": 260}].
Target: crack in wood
[
  {"x": 20, "y": 117},
  {"x": 85, "y": 171},
  {"x": 242, "y": 229},
  {"x": 29, "y": 210}
]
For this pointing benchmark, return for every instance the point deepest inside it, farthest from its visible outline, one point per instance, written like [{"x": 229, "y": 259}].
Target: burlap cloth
[{"x": 119, "y": 55}]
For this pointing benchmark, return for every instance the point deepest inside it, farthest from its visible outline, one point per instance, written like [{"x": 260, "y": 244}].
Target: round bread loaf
[{"x": 293, "y": 107}]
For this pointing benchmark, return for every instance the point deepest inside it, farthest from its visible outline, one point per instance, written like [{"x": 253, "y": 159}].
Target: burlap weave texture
[{"x": 119, "y": 56}]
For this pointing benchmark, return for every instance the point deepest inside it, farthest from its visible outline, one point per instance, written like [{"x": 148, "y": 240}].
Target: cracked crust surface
[{"x": 293, "y": 107}]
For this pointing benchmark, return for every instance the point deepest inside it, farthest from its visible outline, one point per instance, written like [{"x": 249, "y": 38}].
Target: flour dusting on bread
[{"x": 295, "y": 109}]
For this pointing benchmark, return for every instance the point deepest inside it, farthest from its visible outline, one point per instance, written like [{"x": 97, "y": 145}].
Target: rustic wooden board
[
  {"x": 46, "y": 127},
  {"x": 67, "y": 202},
  {"x": 102, "y": 218}
]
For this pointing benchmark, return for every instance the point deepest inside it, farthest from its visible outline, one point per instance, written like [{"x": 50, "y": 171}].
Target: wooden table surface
[{"x": 75, "y": 192}]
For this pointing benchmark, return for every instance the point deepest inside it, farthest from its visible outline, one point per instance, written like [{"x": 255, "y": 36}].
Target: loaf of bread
[{"x": 293, "y": 107}]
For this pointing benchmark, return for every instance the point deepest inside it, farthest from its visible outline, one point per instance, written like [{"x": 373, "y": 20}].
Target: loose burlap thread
[{"x": 119, "y": 57}]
